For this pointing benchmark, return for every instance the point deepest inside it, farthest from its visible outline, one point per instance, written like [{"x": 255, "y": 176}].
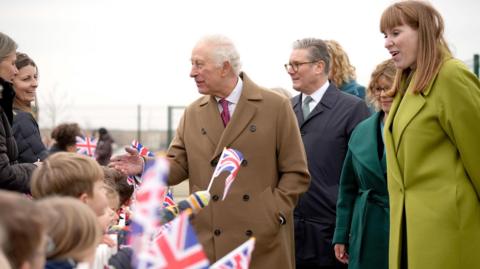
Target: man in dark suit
[{"x": 326, "y": 118}]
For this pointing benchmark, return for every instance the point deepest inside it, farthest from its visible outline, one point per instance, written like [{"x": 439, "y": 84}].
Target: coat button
[
  {"x": 253, "y": 128},
  {"x": 203, "y": 131},
  {"x": 215, "y": 197},
  {"x": 244, "y": 163},
  {"x": 246, "y": 197},
  {"x": 214, "y": 162},
  {"x": 249, "y": 233},
  {"x": 217, "y": 232}
]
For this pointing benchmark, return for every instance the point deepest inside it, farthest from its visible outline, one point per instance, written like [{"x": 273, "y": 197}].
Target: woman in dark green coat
[{"x": 361, "y": 232}]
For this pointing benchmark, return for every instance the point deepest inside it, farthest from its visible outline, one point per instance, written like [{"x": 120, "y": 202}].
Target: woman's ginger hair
[
  {"x": 385, "y": 69},
  {"x": 73, "y": 227},
  {"x": 341, "y": 71},
  {"x": 432, "y": 47}
]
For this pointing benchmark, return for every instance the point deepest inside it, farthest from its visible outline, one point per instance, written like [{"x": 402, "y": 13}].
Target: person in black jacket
[
  {"x": 103, "y": 151},
  {"x": 13, "y": 176},
  {"x": 25, "y": 126}
]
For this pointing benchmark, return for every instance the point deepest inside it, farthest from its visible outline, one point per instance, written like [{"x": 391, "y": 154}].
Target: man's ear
[
  {"x": 320, "y": 67},
  {"x": 226, "y": 68},
  {"x": 83, "y": 197}
]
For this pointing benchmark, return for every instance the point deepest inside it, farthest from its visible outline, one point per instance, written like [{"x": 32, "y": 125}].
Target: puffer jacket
[
  {"x": 13, "y": 176},
  {"x": 27, "y": 135}
]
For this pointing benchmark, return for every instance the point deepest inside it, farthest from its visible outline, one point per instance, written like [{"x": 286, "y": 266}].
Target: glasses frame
[{"x": 295, "y": 66}]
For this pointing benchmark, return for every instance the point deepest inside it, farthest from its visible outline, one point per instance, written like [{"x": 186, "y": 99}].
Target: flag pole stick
[{"x": 210, "y": 184}]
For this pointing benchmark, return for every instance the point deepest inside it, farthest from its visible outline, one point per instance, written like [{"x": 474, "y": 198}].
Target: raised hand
[{"x": 130, "y": 163}]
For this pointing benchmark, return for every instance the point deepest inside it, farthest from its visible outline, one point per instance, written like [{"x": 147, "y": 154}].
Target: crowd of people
[{"x": 338, "y": 176}]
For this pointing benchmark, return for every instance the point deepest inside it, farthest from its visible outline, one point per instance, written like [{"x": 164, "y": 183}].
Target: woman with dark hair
[
  {"x": 25, "y": 126},
  {"x": 65, "y": 136},
  {"x": 432, "y": 143},
  {"x": 13, "y": 176}
]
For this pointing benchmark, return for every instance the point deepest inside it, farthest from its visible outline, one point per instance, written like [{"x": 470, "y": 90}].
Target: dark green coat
[{"x": 362, "y": 206}]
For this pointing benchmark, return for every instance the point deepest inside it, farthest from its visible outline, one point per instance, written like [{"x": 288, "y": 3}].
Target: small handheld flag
[
  {"x": 238, "y": 258},
  {"x": 230, "y": 161},
  {"x": 86, "y": 145}
]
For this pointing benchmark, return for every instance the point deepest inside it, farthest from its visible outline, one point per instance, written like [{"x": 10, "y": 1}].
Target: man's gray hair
[
  {"x": 223, "y": 51},
  {"x": 317, "y": 50}
]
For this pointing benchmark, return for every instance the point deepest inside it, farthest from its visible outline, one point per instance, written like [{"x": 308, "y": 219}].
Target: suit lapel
[{"x": 297, "y": 108}]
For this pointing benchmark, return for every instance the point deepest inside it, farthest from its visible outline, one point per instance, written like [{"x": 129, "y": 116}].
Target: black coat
[
  {"x": 325, "y": 135},
  {"x": 103, "y": 151},
  {"x": 27, "y": 135},
  {"x": 13, "y": 176}
]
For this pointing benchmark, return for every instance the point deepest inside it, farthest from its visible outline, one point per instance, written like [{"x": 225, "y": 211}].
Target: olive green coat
[
  {"x": 433, "y": 158},
  {"x": 362, "y": 205}
]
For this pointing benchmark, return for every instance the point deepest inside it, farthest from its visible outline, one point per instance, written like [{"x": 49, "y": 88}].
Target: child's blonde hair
[
  {"x": 73, "y": 228},
  {"x": 66, "y": 174}
]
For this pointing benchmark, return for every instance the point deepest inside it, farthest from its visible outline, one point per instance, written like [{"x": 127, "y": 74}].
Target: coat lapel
[
  {"x": 327, "y": 102},
  {"x": 211, "y": 122},
  {"x": 408, "y": 108},
  {"x": 366, "y": 150},
  {"x": 244, "y": 113}
]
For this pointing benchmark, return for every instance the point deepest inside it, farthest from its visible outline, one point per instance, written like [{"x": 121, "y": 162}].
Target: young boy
[{"x": 74, "y": 175}]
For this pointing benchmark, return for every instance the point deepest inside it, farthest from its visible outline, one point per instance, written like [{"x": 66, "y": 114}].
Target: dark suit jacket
[
  {"x": 272, "y": 177},
  {"x": 325, "y": 135}
]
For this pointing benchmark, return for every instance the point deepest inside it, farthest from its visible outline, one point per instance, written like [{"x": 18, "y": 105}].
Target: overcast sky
[{"x": 119, "y": 53}]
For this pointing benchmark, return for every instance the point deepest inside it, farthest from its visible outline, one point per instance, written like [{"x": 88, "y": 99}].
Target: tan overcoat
[{"x": 264, "y": 129}]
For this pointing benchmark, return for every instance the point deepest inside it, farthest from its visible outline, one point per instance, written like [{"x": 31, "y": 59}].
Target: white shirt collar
[
  {"x": 235, "y": 94},
  {"x": 318, "y": 94}
]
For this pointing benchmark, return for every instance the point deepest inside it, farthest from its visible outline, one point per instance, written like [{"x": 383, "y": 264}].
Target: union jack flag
[
  {"x": 168, "y": 201},
  {"x": 86, "y": 145},
  {"x": 238, "y": 258},
  {"x": 148, "y": 200},
  {"x": 230, "y": 161},
  {"x": 142, "y": 151},
  {"x": 178, "y": 247}
]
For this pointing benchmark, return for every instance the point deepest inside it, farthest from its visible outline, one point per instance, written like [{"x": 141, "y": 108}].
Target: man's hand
[
  {"x": 130, "y": 163},
  {"x": 340, "y": 253}
]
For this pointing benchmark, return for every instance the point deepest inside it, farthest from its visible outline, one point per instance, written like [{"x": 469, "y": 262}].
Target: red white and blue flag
[
  {"x": 169, "y": 201},
  {"x": 238, "y": 258},
  {"x": 230, "y": 161},
  {"x": 142, "y": 151},
  {"x": 86, "y": 145},
  {"x": 178, "y": 246},
  {"x": 148, "y": 200}
]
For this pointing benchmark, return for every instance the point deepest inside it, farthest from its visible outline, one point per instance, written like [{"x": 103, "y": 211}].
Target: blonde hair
[
  {"x": 387, "y": 70},
  {"x": 24, "y": 227},
  {"x": 73, "y": 227},
  {"x": 66, "y": 174},
  {"x": 7, "y": 46},
  {"x": 341, "y": 71},
  {"x": 432, "y": 47}
]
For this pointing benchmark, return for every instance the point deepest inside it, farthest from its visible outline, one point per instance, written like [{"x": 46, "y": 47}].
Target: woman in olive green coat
[
  {"x": 361, "y": 232},
  {"x": 432, "y": 141}
]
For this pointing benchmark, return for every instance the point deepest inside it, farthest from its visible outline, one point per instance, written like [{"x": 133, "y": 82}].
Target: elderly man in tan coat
[{"x": 237, "y": 113}]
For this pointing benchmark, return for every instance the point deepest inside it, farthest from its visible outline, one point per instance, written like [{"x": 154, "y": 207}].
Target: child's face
[
  {"x": 107, "y": 219},
  {"x": 98, "y": 202}
]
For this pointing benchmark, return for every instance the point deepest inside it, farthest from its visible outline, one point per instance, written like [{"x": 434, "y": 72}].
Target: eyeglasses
[
  {"x": 378, "y": 90},
  {"x": 294, "y": 66}
]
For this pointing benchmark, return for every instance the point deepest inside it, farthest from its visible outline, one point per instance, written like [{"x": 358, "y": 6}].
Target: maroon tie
[{"x": 225, "y": 113}]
